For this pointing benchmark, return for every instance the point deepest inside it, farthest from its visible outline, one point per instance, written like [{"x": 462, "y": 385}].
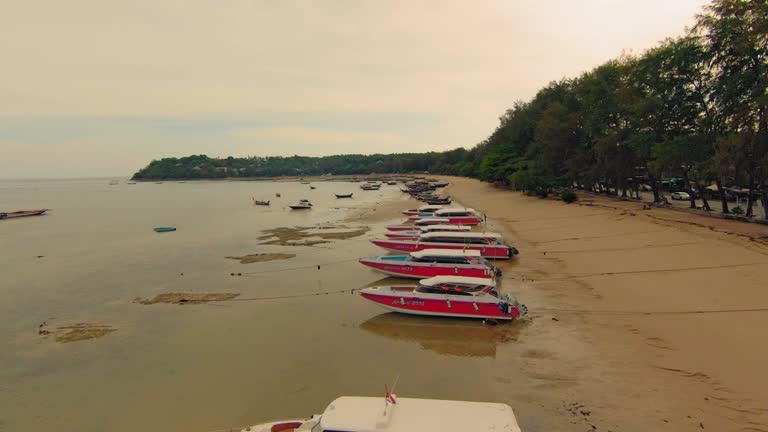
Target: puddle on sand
[
  {"x": 187, "y": 298},
  {"x": 257, "y": 258},
  {"x": 78, "y": 332},
  {"x": 293, "y": 236}
]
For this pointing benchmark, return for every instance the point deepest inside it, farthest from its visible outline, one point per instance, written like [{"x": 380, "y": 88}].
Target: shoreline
[{"x": 615, "y": 294}]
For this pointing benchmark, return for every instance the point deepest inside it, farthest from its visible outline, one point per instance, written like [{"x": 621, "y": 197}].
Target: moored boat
[
  {"x": 344, "y": 195},
  {"x": 260, "y": 202},
  {"x": 455, "y": 215},
  {"x": 434, "y": 262},
  {"x": 395, "y": 414},
  {"x": 164, "y": 229},
  {"x": 418, "y": 223},
  {"x": 490, "y": 245},
  {"x": 450, "y": 296},
  {"x": 302, "y": 205},
  {"x": 423, "y": 209},
  {"x": 417, "y": 231},
  {"x": 22, "y": 213}
]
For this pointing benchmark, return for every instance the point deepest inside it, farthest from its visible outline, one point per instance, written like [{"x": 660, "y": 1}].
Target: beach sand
[{"x": 640, "y": 318}]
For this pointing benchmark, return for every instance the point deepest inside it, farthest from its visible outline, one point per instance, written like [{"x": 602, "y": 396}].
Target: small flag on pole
[{"x": 389, "y": 396}]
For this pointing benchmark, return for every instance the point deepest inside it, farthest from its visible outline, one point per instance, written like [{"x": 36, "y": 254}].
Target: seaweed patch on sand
[
  {"x": 187, "y": 298},
  {"x": 80, "y": 332},
  {"x": 257, "y": 258},
  {"x": 310, "y": 236}
]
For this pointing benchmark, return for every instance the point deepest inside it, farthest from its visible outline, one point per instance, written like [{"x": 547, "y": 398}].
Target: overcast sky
[{"x": 99, "y": 88}]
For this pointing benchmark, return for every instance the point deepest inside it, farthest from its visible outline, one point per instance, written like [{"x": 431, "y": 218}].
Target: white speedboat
[{"x": 391, "y": 414}]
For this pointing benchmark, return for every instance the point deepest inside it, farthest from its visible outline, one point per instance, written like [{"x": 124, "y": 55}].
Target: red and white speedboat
[
  {"x": 394, "y": 414},
  {"x": 419, "y": 223},
  {"x": 490, "y": 245},
  {"x": 423, "y": 209},
  {"x": 449, "y": 296},
  {"x": 417, "y": 231},
  {"x": 457, "y": 215},
  {"x": 434, "y": 262}
]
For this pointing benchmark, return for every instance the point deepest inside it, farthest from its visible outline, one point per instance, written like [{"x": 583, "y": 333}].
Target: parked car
[{"x": 680, "y": 196}]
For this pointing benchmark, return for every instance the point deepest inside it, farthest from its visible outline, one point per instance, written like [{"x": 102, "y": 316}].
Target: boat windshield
[
  {"x": 465, "y": 240},
  {"x": 452, "y": 289},
  {"x": 442, "y": 259}
]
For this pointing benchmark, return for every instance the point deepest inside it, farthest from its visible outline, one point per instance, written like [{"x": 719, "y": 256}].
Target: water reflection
[{"x": 446, "y": 336}]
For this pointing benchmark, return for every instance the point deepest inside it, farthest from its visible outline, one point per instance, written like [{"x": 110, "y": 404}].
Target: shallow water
[{"x": 220, "y": 365}]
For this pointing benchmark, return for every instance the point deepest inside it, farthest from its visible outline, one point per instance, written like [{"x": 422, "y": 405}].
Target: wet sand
[{"x": 640, "y": 319}]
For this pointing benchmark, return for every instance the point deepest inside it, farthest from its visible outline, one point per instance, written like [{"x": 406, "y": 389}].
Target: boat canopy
[
  {"x": 431, "y": 207},
  {"x": 454, "y": 210},
  {"x": 459, "y": 235},
  {"x": 458, "y": 280},
  {"x": 446, "y": 253},
  {"x": 432, "y": 221},
  {"x": 440, "y": 227},
  {"x": 369, "y": 414}
]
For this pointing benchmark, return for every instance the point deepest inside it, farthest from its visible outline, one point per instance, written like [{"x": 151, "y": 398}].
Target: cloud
[
  {"x": 461, "y": 62},
  {"x": 304, "y": 140}
]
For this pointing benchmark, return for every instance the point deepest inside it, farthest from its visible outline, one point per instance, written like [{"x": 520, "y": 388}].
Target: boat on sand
[
  {"x": 455, "y": 215},
  {"x": 395, "y": 414},
  {"x": 418, "y": 223},
  {"x": 434, "y": 262},
  {"x": 448, "y": 296},
  {"x": 490, "y": 245},
  {"x": 417, "y": 231}
]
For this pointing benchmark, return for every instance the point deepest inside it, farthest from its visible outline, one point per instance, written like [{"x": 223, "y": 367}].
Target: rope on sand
[
  {"x": 585, "y": 275},
  {"x": 317, "y": 266},
  {"x": 628, "y": 312}
]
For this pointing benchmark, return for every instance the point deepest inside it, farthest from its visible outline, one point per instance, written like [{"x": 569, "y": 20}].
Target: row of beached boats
[{"x": 456, "y": 279}]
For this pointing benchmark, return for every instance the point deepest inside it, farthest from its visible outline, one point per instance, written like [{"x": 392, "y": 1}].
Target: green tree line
[{"x": 692, "y": 109}]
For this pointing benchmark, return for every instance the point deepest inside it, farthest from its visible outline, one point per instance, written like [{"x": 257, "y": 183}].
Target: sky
[{"x": 102, "y": 87}]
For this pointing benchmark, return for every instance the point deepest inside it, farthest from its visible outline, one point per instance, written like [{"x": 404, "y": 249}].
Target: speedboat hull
[
  {"x": 396, "y": 266},
  {"x": 449, "y": 306},
  {"x": 455, "y": 220},
  {"x": 486, "y": 251}
]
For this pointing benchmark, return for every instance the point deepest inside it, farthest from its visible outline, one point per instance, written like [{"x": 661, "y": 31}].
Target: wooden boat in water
[
  {"x": 165, "y": 229},
  {"x": 448, "y": 296},
  {"x": 22, "y": 213},
  {"x": 259, "y": 202},
  {"x": 302, "y": 205},
  {"x": 344, "y": 195},
  {"x": 393, "y": 414}
]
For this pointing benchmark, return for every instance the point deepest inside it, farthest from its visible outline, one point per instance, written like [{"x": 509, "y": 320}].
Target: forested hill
[
  {"x": 690, "y": 114},
  {"x": 204, "y": 167}
]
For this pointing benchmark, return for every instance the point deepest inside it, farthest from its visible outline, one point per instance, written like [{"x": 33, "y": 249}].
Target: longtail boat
[{"x": 22, "y": 213}]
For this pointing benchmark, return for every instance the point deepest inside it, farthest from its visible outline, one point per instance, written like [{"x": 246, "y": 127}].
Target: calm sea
[{"x": 215, "y": 366}]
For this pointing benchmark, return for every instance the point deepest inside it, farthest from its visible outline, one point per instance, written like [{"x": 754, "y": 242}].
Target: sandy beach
[{"x": 641, "y": 319}]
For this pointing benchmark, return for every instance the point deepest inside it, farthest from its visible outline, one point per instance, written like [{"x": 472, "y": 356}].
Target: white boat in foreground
[{"x": 390, "y": 414}]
